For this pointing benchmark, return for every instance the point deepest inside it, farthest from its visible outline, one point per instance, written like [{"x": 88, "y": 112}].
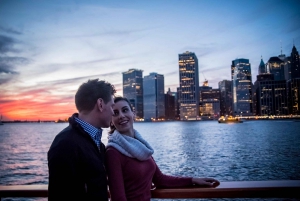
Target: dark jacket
[{"x": 76, "y": 166}]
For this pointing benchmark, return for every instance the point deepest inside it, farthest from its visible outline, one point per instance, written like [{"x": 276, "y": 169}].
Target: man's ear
[{"x": 100, "y": 105}]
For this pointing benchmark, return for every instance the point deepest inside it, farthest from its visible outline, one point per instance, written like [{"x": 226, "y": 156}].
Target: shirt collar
[{"x": 91, "y": 130}]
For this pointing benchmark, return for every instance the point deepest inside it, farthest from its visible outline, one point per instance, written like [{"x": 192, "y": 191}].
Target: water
[{"x": 253, "y": 150}]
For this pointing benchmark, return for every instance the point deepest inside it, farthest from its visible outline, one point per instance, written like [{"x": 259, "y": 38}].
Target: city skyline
[{"x": 48, "y": 48}]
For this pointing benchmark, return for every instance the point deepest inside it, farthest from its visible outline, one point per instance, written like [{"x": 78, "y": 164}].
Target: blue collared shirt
[{"x": 94, "y": 132}]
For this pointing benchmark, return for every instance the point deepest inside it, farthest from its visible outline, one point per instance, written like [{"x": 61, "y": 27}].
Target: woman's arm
[
  {"x": 166, "y": 181},
  {"x": 115, "y": 175},
  {"x": 161, "y": 180}
]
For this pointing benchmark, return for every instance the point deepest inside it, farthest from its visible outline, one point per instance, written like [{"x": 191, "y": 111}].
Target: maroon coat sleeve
[
  {"x": 115, "y": 175},
  {"x": 161, "y": 180}
]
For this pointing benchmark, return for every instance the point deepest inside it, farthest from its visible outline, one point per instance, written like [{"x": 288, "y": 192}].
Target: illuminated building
[
  {"x": 241, "y": 87},
  {"x": 209, "y": 104},
  {"x": 154, "y": 97},
  {"x": 276, "y": 67},
  {"x": 294, "y": 83},
  {"x": 271, "y": 97},
  {"x": 133, "y": 90},
  {"x": 189, "y": 86}
]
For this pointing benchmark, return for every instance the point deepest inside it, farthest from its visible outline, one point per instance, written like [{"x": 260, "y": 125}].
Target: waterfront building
[
  {"x": 241, "y": 87},
  {"x": 170, "y": 103},
  {"x": 133, "y": 90},
  {"x": 294, "y": 83},
  {"x": 209, "y": 104},
  {"x": 294, "y": 96},
  {"x": 225, "y": 87},
  {"x": 295, "y": 63},
  {"x": 177, "y": 103},
  {"x": 271, "y": 98},
  {"x": 154, "y": 97},
  {"x": 276, "y": 67},
  {"x": 189, "y": 86}
]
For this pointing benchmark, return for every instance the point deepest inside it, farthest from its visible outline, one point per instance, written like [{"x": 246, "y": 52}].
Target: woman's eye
[
  {"x": 115, "y": 113},
  {"x": 125, "y": 110}
]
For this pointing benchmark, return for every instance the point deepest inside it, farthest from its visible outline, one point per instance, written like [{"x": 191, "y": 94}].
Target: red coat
[{"x": 130, "y": 179}]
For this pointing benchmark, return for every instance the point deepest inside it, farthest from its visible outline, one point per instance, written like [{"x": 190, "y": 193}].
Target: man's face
[{"x": 108, "y": 112}]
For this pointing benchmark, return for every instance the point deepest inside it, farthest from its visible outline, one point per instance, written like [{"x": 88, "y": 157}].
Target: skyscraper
[
  {"x": 225, "y": 87},
  {"x": 133, "y": 90},
  {"x": 262, "y": 67},
  {"x": 241, "y": 87},
  {"x": 295, "y": 63},
  {"x": 276, "y": 67},
  {"x": 294, "y": 83},
  {"x": 154, "y": 97},
  {"x": 189, "y": 86}
]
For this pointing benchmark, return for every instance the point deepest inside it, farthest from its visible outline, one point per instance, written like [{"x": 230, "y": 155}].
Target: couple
[{"x": 82, "y": 168}]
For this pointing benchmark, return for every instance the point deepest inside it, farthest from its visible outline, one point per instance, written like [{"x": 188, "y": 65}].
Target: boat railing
[{"x": 230, "y": 189}]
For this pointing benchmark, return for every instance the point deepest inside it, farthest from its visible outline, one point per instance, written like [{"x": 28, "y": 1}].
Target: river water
[{"x": 250, "y": 151}]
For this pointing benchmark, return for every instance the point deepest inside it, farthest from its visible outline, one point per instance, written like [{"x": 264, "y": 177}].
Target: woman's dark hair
[{"x": 117, "y": 99}]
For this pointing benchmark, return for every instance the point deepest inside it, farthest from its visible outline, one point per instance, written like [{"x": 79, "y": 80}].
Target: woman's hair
[{"x": 117, "y": 99}]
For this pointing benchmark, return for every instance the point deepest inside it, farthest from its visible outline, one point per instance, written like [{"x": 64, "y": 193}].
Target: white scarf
[{"x": 135, "y": 147}]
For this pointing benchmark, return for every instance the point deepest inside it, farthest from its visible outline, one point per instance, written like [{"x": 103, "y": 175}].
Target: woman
[{"x": 129, "y": 163}]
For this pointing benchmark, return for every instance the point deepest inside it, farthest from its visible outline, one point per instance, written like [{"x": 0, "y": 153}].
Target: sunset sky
[{"x": 48, "y": 48}]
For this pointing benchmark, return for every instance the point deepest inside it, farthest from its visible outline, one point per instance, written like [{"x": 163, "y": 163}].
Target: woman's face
[{"x": 123, "y": 118}]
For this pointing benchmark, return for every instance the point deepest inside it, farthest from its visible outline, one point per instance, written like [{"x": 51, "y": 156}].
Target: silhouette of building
[
  {"x": 276, "y": 67},
  {"x": 133, "y": 90},
  {"x": 262, "y": 67},
  {"x": 225, "y": 88},
  {"x": 154, "y": 97},
  {"x": 170, "y": 104},
  {"x": 271, "y": 98},
  {"x": 189, "y": 86},
  {"x": 294, "y": 82},
  {"x": 241, "y": 87}
]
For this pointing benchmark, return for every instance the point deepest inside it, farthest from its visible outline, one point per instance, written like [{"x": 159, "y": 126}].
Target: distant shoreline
[{"x": 245, "y": 119}]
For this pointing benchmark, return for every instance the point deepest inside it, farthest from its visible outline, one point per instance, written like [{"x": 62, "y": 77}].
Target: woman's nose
[{"x": 121, "y": 115}]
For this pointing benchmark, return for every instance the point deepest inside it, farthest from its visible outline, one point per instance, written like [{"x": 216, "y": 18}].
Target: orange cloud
[{"x": 36, "y": 105}]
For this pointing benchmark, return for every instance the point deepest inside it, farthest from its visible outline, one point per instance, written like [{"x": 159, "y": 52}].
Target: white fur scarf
[{"x": 135, "y": 147}]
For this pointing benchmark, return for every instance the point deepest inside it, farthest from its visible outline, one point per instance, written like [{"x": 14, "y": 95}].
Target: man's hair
[{"x": 89, "y": 92}]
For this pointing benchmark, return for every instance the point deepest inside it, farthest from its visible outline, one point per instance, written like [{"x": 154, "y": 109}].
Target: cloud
[
  {"x": 6, "y": 44},
  {"x": 9, "y": 30},
  {"x": 7, "y": 66},
  {"x": 78, "y": 80}
]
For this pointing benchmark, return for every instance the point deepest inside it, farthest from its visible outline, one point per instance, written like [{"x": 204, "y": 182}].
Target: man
[{"x": 76, "y": 156}]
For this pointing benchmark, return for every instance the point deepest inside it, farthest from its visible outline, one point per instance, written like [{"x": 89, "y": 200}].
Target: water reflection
[{"x": 253, "y": 150}]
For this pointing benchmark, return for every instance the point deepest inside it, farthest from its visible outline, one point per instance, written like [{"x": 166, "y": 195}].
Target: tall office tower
[
  {"x": 271, "y": 98},
  {"x": 294, "y": 83},
  {"x": 295, "y": 63},
  {"x": 133, "y": 90},
  {"x": 262, "y": 67},
  {"x": 225, "y": 87},
  {"x": 170, "y": 105},
  {"x": 189, "y": 86},
  {"x": 241, "y": 87},
  {"x": 276, "y": 67},
  {"x": 154, "y": 96}
]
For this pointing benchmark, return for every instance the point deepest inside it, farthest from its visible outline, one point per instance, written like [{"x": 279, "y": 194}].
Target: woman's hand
[{"x": 206, "y": 182}]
